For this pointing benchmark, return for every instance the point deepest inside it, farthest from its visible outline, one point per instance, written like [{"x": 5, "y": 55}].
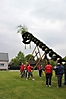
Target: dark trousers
[
  {"x": 59, "y": 77},
  {"x": 48, "y": 78},
  {"x": 22, "y": 73},
  {"x": 65, "y": 79},
  {"x": 40, "y": 73}
]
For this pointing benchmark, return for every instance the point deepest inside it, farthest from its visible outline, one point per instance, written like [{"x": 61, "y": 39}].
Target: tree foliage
[
  {"x": 52, "y": 63},
  {"x": 22, "y": 29},
  {"x": 29, "y": 56},
  {"x": 65, "y": 58},
  {"x": 20, "y": 58}
]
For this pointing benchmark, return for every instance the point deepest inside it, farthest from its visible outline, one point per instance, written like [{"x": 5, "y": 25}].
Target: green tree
[
  {"x": 29, "y": 56},
  {"x": 20, "y": 58},
  {"x": 64, "y": 58},
  {"x": 15, "y": 62},
  {"x": 52, "y": 63}
]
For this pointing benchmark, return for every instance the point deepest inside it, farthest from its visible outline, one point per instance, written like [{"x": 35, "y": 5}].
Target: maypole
[{"x": 28, "y": 37}]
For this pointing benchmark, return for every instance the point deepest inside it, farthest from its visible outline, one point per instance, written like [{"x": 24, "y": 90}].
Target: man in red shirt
[
  {"x": 48, "y": 72},
  {"x": 22, "y": 72},
  {"x": 30, "y": 72}
]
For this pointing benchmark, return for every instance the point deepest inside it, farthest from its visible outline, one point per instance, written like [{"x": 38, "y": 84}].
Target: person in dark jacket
[
  {"x": 59, "y": 73},
  {"x": 64, "y": 73}
]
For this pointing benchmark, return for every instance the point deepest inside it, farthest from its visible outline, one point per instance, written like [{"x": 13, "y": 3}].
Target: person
[
  {"x": 29, "y": 68},
  {"x": 48, "y": 72},
  {"x": 22, "y": 72},
  {"x": 59, "y": 73},
  {"x": 26, "y": 69},
  {"x": 39, "y": 70},
  {"x": 64, "y": 73}
]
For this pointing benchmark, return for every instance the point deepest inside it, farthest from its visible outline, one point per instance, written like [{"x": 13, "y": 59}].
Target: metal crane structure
[{"x": 28, "y": 37}]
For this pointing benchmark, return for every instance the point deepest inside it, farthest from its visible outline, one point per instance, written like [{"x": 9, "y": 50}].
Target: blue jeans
[
  {"x": 48, "y": 78},
  {"x": 26, "y": 71},
  {"x": 59, "y": 77},
  {"x": 30, "y": 74}
]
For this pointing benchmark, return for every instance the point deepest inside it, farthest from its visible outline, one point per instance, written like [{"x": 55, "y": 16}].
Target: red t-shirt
[
  {"x": 22, "y": 67},
  {"x": 29, "y": 68},
  {"x": 38, "y": 67},
  {"x": 26, "y": 67},
  {"x": 48, "y": 68}
]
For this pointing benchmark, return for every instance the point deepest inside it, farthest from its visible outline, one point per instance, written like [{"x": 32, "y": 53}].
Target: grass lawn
[{"x": 14, "y": 87}]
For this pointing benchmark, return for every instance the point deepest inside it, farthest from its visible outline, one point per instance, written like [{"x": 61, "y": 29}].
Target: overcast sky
[{"x": 45, "y": 19}]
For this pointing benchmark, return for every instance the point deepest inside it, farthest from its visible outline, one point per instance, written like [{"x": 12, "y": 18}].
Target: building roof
[{"x": 4, "y": 57}]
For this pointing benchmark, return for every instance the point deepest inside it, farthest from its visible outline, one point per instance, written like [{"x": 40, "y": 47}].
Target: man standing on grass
[
  {"x": 59, "y": 73},
  {"x": 30, "y": 72},
  {"x": 22, "y": 71},
  {"x": 48, "y": 72}
]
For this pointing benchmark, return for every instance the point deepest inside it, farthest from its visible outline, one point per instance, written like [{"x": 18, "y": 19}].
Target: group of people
[
  {"x": 59, "y": 71},
  {"x": 26, "y": 70}
]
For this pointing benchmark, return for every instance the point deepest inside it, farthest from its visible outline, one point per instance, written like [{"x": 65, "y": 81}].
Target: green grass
[{"x": 14, "y": 87}]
